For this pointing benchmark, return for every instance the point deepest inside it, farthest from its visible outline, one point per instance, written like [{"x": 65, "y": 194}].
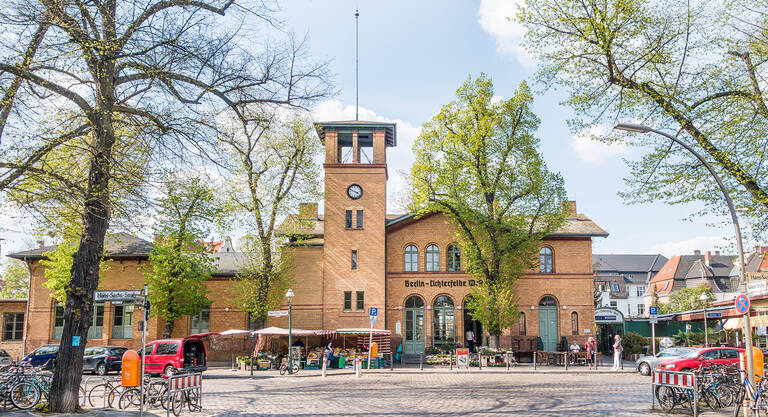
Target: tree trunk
[
  {"x": 168, "y": 328},
  {"x": 78, "y": 313},
  {"x": 493, "y": 341}
]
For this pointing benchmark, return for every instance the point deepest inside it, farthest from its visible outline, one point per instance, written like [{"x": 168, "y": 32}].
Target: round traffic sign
[{"x": 742, "y": 303}]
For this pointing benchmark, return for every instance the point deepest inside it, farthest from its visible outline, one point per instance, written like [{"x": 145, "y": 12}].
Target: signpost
[
  {"x": 115, "y": 295},
  {"x": 140, "y": 301},
  {"x": 462, "y": 358},
  {"x": 372, "y": 316},
  {"x": 653, "y": 312}
]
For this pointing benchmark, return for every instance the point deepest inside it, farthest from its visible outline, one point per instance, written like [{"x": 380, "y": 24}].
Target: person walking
[
  {"x": 617, "y": 351},
  {"x": 591, "y": 348},
  {"x": 470, "y": 339}
]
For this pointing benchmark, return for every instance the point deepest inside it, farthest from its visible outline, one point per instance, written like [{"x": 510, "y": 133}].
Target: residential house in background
[
  {"x": 621, "y": 280},
  {"x": 690, "y": 271}
]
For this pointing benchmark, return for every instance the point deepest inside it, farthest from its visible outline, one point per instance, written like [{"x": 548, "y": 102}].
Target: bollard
[
  {"x": 421, "y": 361},
  {"x": 391, "y": 362},
  {"x": 450, "y": 360},
  {"x": 566, "y": 359},
  {"x": 358, "y": 367},
  {"x": 534, "y": 360},
  {"x": 251, "y": 365},
  {"x": 480, "y": 361},
  {"x": 506, "y": 358},
  {"x": 325, "y": 364}
]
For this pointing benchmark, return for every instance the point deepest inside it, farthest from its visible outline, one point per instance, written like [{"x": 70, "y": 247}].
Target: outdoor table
[{"x": 560, "y": 357}]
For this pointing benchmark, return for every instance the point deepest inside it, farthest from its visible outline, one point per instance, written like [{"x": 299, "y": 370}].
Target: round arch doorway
[
  {"x": 548, "y": 323},
  {"x": 414, "y": 326},
  {"x": 474, "y": 325}
]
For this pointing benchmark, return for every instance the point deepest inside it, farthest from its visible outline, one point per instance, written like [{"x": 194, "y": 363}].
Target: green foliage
[
  {"x": 179, "y": 263},
  {"x": 477, "y": 162},
  {"x": 14, "y": 279},
  {"x": 698, "y": 68},
  {"x": 632, "y": 343},
  {"x": 58, "y": 263},
  {"x": 686, "y": 299},
  {"x": 696, "y": 338}
]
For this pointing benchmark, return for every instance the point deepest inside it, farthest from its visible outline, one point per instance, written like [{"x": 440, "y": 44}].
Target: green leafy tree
[
  {"x": 14, "y": 280},
  {"x": 477, "y": 162},
  {"x": 155, "y": 68},
  {"x": 686, "y": 299},
  {"x": 274, "y": 168},
  {"x": 58, "y": 269},
  {"x": 179, "y": 263},
  {"x": 697, "y": 68}
]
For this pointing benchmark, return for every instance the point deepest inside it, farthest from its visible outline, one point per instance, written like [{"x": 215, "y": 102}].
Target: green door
[
  {"x": 548, "y": 323},
  {"x": 414, "y": 326}
]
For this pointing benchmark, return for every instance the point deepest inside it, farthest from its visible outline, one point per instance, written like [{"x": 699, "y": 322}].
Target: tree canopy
[
  {"x": 14, "y": 279},
  {"x": 477, "y": 162},
  {"x": 694, "y": 68},
  {"x": 686, "y": 299}
]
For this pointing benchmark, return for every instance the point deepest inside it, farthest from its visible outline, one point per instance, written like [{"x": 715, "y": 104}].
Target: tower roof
[{"x": 359, "y": 126}]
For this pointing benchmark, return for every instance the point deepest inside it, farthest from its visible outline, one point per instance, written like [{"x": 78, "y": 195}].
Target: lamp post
[
  {"x": 747, "y": 326},
  {"x": 704, "y": 299},
  {"x": 289, "y": 296}
]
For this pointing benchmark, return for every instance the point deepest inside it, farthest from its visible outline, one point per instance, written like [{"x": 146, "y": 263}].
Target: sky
[{"x": 413, "y": 57}]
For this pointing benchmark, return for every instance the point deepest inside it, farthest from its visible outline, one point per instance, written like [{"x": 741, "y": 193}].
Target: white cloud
[
  {"x": 399, "y": 158},
  {"x": 686, "y": 247},
  {"x": 595, "y": 152},
  {"x": 497, "y": 18}
]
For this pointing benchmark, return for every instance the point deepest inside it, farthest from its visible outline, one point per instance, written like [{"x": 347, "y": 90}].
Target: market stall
[
  {"x": 268, "y": 354},
  {"x": 360, "y": 339}
]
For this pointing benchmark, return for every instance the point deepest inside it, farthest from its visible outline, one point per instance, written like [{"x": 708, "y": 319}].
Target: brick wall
[{"x": 13, "y": 347}]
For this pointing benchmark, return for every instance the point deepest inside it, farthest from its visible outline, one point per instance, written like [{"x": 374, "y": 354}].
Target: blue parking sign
[
  {"x": 653, "y": 310},
  {"x": 374, "y": 312}
]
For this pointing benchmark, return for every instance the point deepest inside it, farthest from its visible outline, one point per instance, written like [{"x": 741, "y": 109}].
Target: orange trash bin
[
  {"x": 757, "y": 360},
  {"x": 374, "y": 350},
  {"x": 130, "y": 370}
]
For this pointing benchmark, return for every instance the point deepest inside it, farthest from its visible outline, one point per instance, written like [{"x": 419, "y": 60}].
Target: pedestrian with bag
[
  {"x": 591, "y": 348},
  {"x": 617, "y": 351}
]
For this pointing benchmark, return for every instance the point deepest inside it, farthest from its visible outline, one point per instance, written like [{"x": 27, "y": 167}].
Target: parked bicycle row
[{"x": 24, "y": 386}]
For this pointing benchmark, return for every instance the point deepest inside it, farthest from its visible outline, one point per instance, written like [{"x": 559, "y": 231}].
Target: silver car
[{"x": 644, "y": 364}]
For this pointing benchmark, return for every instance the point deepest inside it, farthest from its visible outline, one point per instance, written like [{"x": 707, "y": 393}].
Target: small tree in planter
[{"x": 632, "y": 344}]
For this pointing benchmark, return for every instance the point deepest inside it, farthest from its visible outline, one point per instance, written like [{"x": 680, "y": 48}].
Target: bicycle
[
  {"x": 284, "y": 368},
  {"x": 757, "y": 400},
  {"x": 190, "y": 397}
]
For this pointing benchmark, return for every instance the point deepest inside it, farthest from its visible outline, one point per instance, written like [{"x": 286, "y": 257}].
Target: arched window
[
  {"x": 575, "y": 323},
  {"x": 548, "y": 301},
  {"x": 454, "y": 258},
  {"x": 545, "y": 261},
  {"x": 433, "y": 258},
  {"x": 443, "y": 320},
  {"x": 521, "y": 323},
  {"x": 414, "y": 302},
  {"x": 411, "y": 258}
]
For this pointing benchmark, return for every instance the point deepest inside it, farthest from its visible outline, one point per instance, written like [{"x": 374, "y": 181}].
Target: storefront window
[
  {"x": 200, "y": 322},
  {"x": 545, "y": 261},
  {"x": 13, "y": 326},
  {"x": 454, "y": 258},
  {"x": 411, "y": 259},
  {"x": 58, "y": 321},
  {"x": 433, "y": 258},
  {"x": 122, "y": 322},
  {"x": 94, "y": 332},
  {"x": 444, "y": 331}
]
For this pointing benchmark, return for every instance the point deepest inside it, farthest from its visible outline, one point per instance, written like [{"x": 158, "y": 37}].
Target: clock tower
[{"x": 354, "y": 235}]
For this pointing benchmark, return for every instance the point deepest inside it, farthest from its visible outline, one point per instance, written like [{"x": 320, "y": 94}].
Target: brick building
[
  {"x": 353, "y": 257},
  {"x": 358, "y": 256}
]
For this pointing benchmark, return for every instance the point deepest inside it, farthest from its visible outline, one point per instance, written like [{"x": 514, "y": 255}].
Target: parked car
[
  {"x": 168, "y": 356},
  {"x": 5, "y": 358},
  {"x": 645, "y": 364},
  {"x": 695, "y": 358},
  {"x": 43, "y": 354},
  {"x": 102, "y": 359}
]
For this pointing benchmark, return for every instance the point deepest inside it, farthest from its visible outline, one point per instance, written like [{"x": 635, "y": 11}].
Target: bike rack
[
  {"x": 684, "y": 380},
  {"x": 183, "y": 383}
]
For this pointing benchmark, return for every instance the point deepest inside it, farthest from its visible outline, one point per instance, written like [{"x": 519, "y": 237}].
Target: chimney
[
  {"x": 569, "y": 208},
  {"x": 708, "y": 258},
  {"x": 697, "y": 252},
  {"x": 717, "y": 253},
  {"x": 41, "y": 243},
  {"x": 308, "y": 210}
]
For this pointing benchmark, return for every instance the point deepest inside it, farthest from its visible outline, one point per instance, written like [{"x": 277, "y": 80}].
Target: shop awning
[
  {"x": 231, "y": 332},
  {"x": 279, "y": 331},
  {"x": 363, "y": 331}
]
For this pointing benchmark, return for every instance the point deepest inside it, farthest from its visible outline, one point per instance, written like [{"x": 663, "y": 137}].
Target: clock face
[{"x": 354, "y": 191}]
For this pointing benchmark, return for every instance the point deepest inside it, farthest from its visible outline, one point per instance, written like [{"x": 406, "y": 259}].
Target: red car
[
  {"x": 694, "y": 359},
  {"x": 167, "y": 356}
]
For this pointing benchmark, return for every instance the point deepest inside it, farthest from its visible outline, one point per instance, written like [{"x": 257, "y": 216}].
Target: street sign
[
  {"x": 115, "y": 295},
  {"x": 654, "y": 320},
  {"x": 758, "y": 286},
  {"x": 139, "y": 301},
  {"x": 277, "y": 313},
  {"x": 742, "y": 303},
  {"x": 374, "y": 312},
  {"x": 653, "y": 310},
  {"x": 714, "y": 315}
]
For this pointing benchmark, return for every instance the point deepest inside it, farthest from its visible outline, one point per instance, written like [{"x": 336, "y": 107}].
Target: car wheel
[
  {"x": 170, "y": 370},
  {"x": 644, "y": 369},
  {"x": 101, "y": 369}
]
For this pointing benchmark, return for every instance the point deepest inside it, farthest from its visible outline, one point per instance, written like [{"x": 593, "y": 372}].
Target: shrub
[{"x": 632, "y": 343}]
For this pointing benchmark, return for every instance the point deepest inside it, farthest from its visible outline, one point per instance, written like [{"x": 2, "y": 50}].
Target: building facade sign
[
  {"x": 441, "y": 283},
  {"x": 115, "y": 295},
  {"x": 608, "y": 315}
]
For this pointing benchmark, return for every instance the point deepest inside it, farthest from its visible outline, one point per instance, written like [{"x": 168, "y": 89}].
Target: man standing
[{"x": 470, "y": 338}]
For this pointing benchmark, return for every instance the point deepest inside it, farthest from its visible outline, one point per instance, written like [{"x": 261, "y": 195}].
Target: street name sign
[
  {"x": 277, "y": 313},
  {"x": 115, "y": 295},
  {"x": 714, "y": 315}
]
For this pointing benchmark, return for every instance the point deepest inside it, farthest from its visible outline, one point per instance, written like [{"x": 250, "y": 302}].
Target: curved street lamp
[
  {"x": 289, "y": 296},
  {"x": 631, "y": 127}
]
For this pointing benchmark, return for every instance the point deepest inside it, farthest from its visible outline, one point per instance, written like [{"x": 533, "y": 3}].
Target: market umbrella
[{"x": 232, "y": 333}]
